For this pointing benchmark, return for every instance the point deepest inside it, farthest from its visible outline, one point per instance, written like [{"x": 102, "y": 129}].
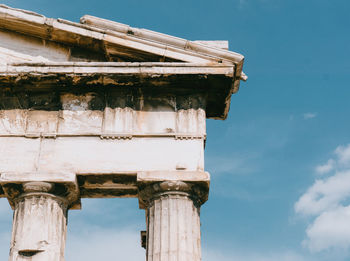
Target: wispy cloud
[
  {"x": 309, "y": 115},
  {"x": 326, "y": 201},
  {"x": 231, "y": 164}
]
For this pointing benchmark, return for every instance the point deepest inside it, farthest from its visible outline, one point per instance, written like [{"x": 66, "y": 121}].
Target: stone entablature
[{"x": 101, "y": 109}]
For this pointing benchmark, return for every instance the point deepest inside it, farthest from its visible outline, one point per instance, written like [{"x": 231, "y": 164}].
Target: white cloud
[
  {"x": 326, "y": 168},
  {"x": 309, "y": 115},
  {"x": 343, "y": 154},
  {"x": 327, "y": 202},
  {"x": 331, "y": 229},
  {"x": 325, "y": 195},
  {"x": 342, "y": 160}
]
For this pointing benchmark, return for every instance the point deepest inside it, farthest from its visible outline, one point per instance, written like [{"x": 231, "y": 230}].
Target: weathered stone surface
[
  {"x": 71, "y": 154},
  {"x": 118, "y": 120},
  {"x": 173, "y": 229},
  {"x": 15, "y": 47},
  {"x": 173, "y": 224},
  {"x": 128, "y": 121},
  {"x": 39, "y": 225},
  {"x": 13, "y": 121},
  {"x": 80, "y": 140},
  {"x": 40, "y": 121},
  {"x": 41, "y": 87},
  {"x": 62, "y": 184}
]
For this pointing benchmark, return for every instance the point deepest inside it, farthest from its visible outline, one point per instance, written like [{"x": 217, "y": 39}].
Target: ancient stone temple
[{"x": 99, "y": 109}]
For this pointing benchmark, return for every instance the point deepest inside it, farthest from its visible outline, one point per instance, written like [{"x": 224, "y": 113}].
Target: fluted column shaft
[
  {"x": 39, "y": 225},
  {"x": 173, "y": 228},
  {"x": 173, "y": 223}
]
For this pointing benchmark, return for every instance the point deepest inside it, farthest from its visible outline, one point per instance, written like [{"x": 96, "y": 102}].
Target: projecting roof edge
[
  {"x": 116, "y": 33},
  {"x": 162, "y": 38},
  {"x": 103, "y": 36}
]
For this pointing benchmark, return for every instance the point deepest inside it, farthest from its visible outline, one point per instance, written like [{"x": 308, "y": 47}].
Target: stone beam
[{"x": 101, "y": 184}]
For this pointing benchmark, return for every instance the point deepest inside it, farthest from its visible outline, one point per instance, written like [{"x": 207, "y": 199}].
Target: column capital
[
  {"x": 149, "y": 192},
  {"x": 64, "y": 185},
  {"x": 195, "y": 184}
]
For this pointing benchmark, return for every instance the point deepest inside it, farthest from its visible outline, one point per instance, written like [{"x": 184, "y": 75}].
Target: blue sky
[{"x": 280, "y": 163}]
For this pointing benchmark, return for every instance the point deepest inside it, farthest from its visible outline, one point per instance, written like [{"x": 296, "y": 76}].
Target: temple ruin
[{"x": 99, "y": 109}]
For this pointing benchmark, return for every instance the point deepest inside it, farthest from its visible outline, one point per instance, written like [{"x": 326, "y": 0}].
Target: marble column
[
  {"x": 173, "y": 224},
  {"x": 39, "y": 224}
]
